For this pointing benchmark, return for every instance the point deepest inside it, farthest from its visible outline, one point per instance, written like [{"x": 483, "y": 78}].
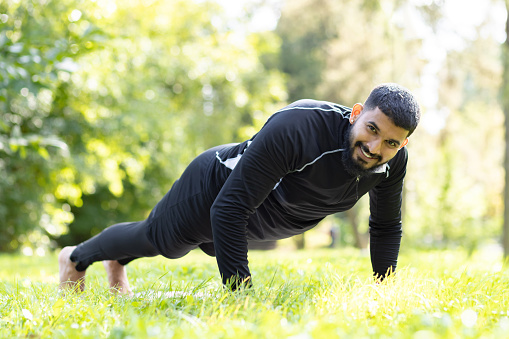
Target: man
[{"x": 311, "y": 159}]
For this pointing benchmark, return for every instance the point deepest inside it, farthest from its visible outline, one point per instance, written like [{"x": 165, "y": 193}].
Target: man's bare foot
[
  {"x": 117, "y": 277},
  {"x": 70, "y": 279}
]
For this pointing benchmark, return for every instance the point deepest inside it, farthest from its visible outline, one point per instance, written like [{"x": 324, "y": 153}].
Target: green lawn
[{"x": 310, "y": 294}]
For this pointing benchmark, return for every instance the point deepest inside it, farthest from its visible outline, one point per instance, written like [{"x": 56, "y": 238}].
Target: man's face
[{"x": 374, "y": 139}]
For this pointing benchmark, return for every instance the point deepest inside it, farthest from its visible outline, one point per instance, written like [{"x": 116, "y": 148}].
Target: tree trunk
[
  {"x": 300, "y": 241},
  {"x": 505, "y": 104},
  {"x": 361, "y": 240}
]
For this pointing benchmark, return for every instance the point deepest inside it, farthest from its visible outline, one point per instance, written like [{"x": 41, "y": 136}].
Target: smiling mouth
[{"x": 366, "y": 154}]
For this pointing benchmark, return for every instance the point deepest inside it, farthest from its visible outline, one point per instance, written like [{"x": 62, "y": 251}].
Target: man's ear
[
  {"x": 356, "y": 111},
  {"x": 404, "y": 143}
]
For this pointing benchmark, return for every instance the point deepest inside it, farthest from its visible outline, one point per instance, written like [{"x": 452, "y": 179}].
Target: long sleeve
[
  {"x": 273, "y": 152},
  {"x": 385, "y": 220}
]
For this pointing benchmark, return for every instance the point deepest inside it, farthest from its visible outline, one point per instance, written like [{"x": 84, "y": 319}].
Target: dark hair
[{"x": 397, "y": 103}]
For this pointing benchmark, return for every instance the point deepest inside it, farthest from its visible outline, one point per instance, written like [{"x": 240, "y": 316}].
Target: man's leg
[{"x": 117, "y": 245}]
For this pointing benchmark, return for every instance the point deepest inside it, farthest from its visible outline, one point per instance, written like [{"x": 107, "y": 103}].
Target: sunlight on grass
[{"x": 310, "y": 294}]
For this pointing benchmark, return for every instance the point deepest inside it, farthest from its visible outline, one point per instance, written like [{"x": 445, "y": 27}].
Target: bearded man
[{"x": 311, "y": 159}]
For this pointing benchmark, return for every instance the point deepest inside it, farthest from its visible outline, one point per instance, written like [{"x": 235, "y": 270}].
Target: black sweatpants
[
  {"x": 123, "y": 242},
  {"x": 179, "y": 223}
]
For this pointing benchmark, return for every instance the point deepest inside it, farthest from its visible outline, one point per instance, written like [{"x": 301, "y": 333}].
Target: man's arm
[
  {"x": 275, "y": 150},
  {"x": 385, "y": 219}
]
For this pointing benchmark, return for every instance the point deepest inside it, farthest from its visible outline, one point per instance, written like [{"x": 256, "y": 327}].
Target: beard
[{"x": 352, "y": 166}]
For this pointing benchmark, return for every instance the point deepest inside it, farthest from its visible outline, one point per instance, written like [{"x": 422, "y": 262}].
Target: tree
[
  {"x": 455, "y": 178},
  {"x": 132, "y": 92},
  {"x": 37, "y": 53},
  {"x": 505, "y": 105}
]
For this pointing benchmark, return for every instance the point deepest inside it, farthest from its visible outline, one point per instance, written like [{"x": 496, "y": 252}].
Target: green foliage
[
  {"x": 464, "y": 205},
  {"x": 102, "y": 105},
  {"x": 302, "y": 54},
  {"x": 317, "y": 294},
  {"x": 102, "y": 109},
  {"x": 340, "y": 50},
  {"x": 37, "y": 52}
]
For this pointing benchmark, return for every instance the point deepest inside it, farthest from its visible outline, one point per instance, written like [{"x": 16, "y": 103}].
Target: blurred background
[{"x": 103, "y": 103}]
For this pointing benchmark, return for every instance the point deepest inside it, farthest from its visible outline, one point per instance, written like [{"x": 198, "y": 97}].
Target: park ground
[{"x": 319, "y": 293}]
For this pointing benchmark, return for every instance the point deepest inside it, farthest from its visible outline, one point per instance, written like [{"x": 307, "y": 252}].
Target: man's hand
[{"x": 236, "y": 282}]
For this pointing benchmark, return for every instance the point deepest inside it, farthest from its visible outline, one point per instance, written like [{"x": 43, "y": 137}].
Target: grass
[{"x": 310, "y": 294}]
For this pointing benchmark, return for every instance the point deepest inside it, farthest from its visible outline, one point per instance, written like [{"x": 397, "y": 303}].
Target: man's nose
[{"x": 374, "y": 146}]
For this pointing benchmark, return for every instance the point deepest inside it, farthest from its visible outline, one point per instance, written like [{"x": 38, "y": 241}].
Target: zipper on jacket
[{"x": 357, "y": 187}]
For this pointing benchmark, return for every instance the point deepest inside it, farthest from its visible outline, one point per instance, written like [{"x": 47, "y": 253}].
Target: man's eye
[
  {"x": 392, "y": 143},
  {"x": 371, "y": 128}
]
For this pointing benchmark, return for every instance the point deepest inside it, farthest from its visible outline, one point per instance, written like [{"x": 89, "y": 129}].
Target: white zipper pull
[{"x": 357, "y": 186}]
